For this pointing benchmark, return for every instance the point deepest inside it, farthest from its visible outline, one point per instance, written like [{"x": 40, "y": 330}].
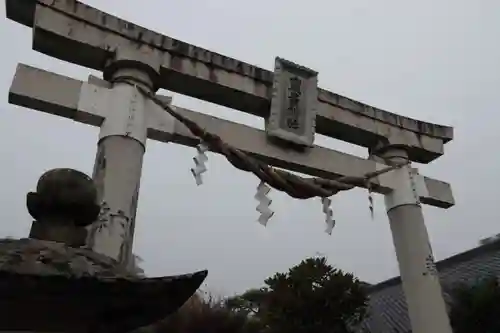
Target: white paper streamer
[
  {"x": 264, "y": 202},
  {"x": 330, "y": 222},
  {"x": 199, "y": 161}
]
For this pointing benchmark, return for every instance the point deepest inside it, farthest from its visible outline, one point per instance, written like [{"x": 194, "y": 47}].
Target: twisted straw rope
[{"x": 295, "y": 186}]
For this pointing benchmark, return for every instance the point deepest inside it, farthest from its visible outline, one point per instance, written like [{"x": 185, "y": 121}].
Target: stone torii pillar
[
  {"x": 420, "y": 279},
  {"x": 121, "y": 147}
]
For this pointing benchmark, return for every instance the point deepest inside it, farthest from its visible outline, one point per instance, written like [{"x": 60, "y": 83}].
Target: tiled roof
[{"x": 388, "y": 311}]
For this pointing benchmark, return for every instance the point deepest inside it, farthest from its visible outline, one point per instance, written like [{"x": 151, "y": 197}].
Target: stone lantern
[{"x": 50, "y": 282}]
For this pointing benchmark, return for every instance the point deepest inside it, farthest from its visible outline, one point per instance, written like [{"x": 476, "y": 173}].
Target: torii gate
[{"x": 136, "y": 62}]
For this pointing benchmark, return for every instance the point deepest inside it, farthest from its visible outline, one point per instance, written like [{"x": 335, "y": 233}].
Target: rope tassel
[
  {"x": 199, "y": 161},
  {"x": 330, "y": 222},
  {"x": 264, "y": 202}
]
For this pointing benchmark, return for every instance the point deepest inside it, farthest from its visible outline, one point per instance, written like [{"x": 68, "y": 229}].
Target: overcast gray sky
[{"x": 434, "y": 60}]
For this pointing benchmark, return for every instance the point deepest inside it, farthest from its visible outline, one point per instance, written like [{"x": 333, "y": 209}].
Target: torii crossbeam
[{"x": 74, "y": 32}]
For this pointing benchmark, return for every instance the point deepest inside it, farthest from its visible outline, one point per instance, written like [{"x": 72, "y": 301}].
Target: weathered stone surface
[
  {"x": 65, "y": 202},
  {"x": 31, "y": 256},
  {"x": 67, "y": 194},
  {"x": 50, "y": 287}
]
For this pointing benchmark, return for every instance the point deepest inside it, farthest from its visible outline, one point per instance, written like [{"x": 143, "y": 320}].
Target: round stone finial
[{"x": 65, "y": 195}]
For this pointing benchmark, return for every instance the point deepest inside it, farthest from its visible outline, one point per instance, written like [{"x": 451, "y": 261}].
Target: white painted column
[
  {"x": 424, "y": 297},
  {"x": 118, "y": 166}
]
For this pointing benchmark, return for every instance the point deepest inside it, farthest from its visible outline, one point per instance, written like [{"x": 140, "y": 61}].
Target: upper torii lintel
[{"x": 75, "y": 32}]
